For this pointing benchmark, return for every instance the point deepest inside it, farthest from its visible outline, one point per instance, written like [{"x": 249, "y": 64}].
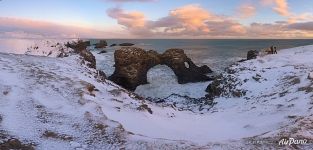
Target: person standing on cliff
[
  {"x": 272, "y": 50},
  {"x": 275, "y": 50}
]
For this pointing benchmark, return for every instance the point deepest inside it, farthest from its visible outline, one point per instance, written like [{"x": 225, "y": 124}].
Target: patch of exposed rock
[
  {"x": 80, "y": 48},
  {"x": 252, "y": 54},
  {"x": 225, "y": 85},
  {"x": 132, "y": 65},
  {"x": 127, "y": 44},
  {"x": 184, "y": 103}
]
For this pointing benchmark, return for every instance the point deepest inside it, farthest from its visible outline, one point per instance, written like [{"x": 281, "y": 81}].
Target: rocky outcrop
[
  {"x": 87, "y": 43},
  {"x": 185, "y": 70},
  {"x": 252, "y": 54},
  {"x": 80, "y": 48},
  {"x": 112, "y": 45},
  {"x": 103, "y": 51},
  {"x": 225, "y": 85},
  {"x": 101, "y": 44},
  {"x": 89, "y": 57},
  {"x": 132, "y": 65},
  {"x": 127, "y": 44}
]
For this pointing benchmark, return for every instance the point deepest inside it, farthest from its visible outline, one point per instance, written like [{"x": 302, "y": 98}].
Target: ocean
[{"x": 217, "y": 54}]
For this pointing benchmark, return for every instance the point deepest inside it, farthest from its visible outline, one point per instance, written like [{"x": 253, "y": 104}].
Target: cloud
[
  {"x": 189, "y": 20},
  {"x": 246, "y": 11},
  {"x": 305, "y": 26},
  {"x": 123, "y": 1},
  {"x": 25, "y": 28},
  {"x": 128, "y": 19},
  {"x": 282, "y": 7}
]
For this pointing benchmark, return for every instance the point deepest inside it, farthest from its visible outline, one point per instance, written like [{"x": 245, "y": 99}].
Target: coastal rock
[
  {"x": 252, "y": 54},
  {"x": 127, "y": 44},
  {"x": 89, "y": 57},
  {"x": 80, "y": 48},
  {"x": 112, "y": 45},
  {"x": 205, "y": 69},
  {"x": 87, "y": 43},
  {"x": 185, "y": 70},
  {"x": 103, "y": 51},
  {"x": 132, "y": 65},
  {"x": 101, "y": 44},
  {"x": 226, "y": 86},
  {"x": 214, "y": 89}
]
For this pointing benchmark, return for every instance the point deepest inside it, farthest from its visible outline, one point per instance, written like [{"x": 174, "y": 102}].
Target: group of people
[{"x": 273, "y": 50}]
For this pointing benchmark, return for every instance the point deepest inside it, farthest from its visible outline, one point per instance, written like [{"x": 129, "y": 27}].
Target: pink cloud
[
  {"x": 282, "y": 7},
  {"x": 246, "y": 11},
  {"x": 16, "y": 27},
  {"x": 128, "y": 19},
  {"x": 305, "y": 26},
  {"x": 122, "y": 1},
  {"x": 190, "y": 20}
]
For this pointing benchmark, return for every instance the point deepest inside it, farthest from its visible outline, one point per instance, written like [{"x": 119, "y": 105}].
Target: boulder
[
  {"x": 214, "y": 89},
  {"x": 132, "y": 65},
  {"x": 101, "y": 44},
  {"x": 252, "y": 54},
  {"x": 127, "y": 44}
]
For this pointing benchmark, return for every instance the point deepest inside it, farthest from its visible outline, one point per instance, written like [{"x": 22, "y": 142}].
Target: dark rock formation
[
  {"x": 205, "y": 69},
  {"x": 87, "y": 43},
  {"x": 132, "y": 65},
  {"x": 112, "y": 45},
  {"x": 252, "y": 54},
  {"x": 242, "y": 60},
  {"x": 89, "y": 57},
  {"x": 101, "y": 44},
  {"x": 225, "y": 85},
  {"x": 15, "y": 144},
  {"x": 185, "y": 70},
  {"x": 103, "y": 51},
  {"x": 79, "y": 47},
  {"x": 127, "y": 44}
]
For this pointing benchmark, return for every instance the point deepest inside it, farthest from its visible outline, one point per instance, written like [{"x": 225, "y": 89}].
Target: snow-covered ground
[{"x": 57, "y": 103}]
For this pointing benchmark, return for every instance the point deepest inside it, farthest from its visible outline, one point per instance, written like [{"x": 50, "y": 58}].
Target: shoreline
[{"x": 278, "y": 93}]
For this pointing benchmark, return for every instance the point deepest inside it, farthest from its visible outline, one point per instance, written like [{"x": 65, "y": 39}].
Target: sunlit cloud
[
  {"x": 123, "y": 1},
  {"x": 282, "y": 8},
  {"x": 305, "y": 26},
  {"x": 189, "y": 20},
  {"x": 128, "y": 19},
  {"x": 26, "y": 28},
  {"x": 246, "y": 11}
]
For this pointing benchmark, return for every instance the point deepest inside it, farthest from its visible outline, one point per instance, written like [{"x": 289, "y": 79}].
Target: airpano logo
[{"x": 292, "y": 141}]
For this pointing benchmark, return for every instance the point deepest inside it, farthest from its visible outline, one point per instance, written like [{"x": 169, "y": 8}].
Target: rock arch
[{"x": 132, "y": 65}]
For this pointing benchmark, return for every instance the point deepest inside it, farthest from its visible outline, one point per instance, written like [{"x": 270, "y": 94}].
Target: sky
[{"x": 195, "y": 19}]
